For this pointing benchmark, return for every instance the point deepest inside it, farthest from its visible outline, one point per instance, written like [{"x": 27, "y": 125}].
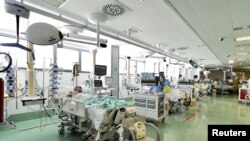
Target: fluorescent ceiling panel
[
  {"x": 242, "y": 53},
  {"x": 244, "y": 38},
  {"x": 240, "y": 59}
]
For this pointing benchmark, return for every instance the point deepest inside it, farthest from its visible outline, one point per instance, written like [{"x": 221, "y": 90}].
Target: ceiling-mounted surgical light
[
  {"x": 67, "y": 29},
  {"x": 193, "y": 63},
  {"x": 43, "y": 34}
]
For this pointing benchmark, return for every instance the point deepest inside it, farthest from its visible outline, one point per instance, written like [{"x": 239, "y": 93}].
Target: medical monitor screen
[
  {"x": 98, "y": 83},
  {"x": 161, "y": 74},
  {"x": 228, "y": 77},
  {"x": 100, "y": 70}
]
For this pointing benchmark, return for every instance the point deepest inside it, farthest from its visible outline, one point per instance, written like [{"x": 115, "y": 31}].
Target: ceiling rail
[
  {"x": 168, "y": 3},
  {"x": 62, "y": 18}
]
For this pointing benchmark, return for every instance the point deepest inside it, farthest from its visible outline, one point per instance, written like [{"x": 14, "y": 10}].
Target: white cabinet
[{"x": 150, "y": 106}]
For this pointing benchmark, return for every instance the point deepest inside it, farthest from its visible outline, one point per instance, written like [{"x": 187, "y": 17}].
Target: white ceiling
[
  {"x": 160, "y": 24},
  {"x": 213, "y": 19}
]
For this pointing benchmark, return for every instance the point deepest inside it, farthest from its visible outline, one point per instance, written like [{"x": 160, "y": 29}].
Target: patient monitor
[{"x": 98, "y": 83}]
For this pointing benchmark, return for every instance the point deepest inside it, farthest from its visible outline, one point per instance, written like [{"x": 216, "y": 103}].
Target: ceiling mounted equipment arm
[
  {"x": 17, "y": 28},
  {"x": 97, "y": 18},
  {"x": 17, "y": 42},
  {"x": 18, "y": 46},
  {"x": 18, "y": 10}
]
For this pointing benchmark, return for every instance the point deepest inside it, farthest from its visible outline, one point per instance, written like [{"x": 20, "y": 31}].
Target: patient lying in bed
[{"x": 77, "y": 90}]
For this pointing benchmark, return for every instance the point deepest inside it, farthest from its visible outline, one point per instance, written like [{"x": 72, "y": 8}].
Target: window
[
  {"x": 87, "y": 62},
  {"x": 125, "y": 50},
  {"x": 122, "y": 66},
  {"x": 140, "y": 67},
  {"x": 66, "y": 58},
  {"x": 103, "y": 57},
  {"x": 149, "y": 65},
  {"x": 132, "y": 67},
  {"x": 43, "y": 54}
]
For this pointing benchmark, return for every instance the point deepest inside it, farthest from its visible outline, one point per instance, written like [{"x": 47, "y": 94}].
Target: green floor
[{"x": 188, "y": 125}]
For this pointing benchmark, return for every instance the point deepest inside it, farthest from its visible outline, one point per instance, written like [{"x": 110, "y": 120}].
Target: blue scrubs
[
  {"x": 159, "y": 88},
  {"x": 156, "y": 89}
]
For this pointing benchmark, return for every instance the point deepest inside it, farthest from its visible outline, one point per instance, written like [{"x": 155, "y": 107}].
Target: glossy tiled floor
[
  {"x": 192, "y": 125},
  {"x": 188, "y": 125}
]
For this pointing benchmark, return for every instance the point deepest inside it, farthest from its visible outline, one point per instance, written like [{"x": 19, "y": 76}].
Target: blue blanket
[{"x": 106, "y": 102}]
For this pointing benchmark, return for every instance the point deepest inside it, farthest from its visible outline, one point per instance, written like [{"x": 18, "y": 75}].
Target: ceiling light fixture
[
  {"x": 231, "y": 61},
  {"x": 161, "y": 45},
  {"x": 66, "y": 29},
  {"x": 240, "y": 59},
  {"x": 244, "y": 38},
  {"x": 131, "y": 31},
  {"x": 170, "y": 50},
  {"x": 242, "y": 53}
]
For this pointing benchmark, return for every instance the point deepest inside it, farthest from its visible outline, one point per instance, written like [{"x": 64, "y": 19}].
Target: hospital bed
[
  {"x": 97, "y": 118},
  {"x": 181, "y": 95},
  {"x": 83, "y": 113},
  {"x": 202, "y": 89}
]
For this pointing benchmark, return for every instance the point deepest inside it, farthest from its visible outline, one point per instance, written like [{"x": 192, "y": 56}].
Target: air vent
[
  {"x": 131, "y": 31},
  {"x": 115, "y": 8}
]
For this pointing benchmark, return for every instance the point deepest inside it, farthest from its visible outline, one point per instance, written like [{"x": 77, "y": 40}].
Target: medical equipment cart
[{"x": 150, "y": 106}]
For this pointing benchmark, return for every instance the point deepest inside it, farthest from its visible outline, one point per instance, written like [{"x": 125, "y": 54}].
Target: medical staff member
[{"x": 159, "y": 87}]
